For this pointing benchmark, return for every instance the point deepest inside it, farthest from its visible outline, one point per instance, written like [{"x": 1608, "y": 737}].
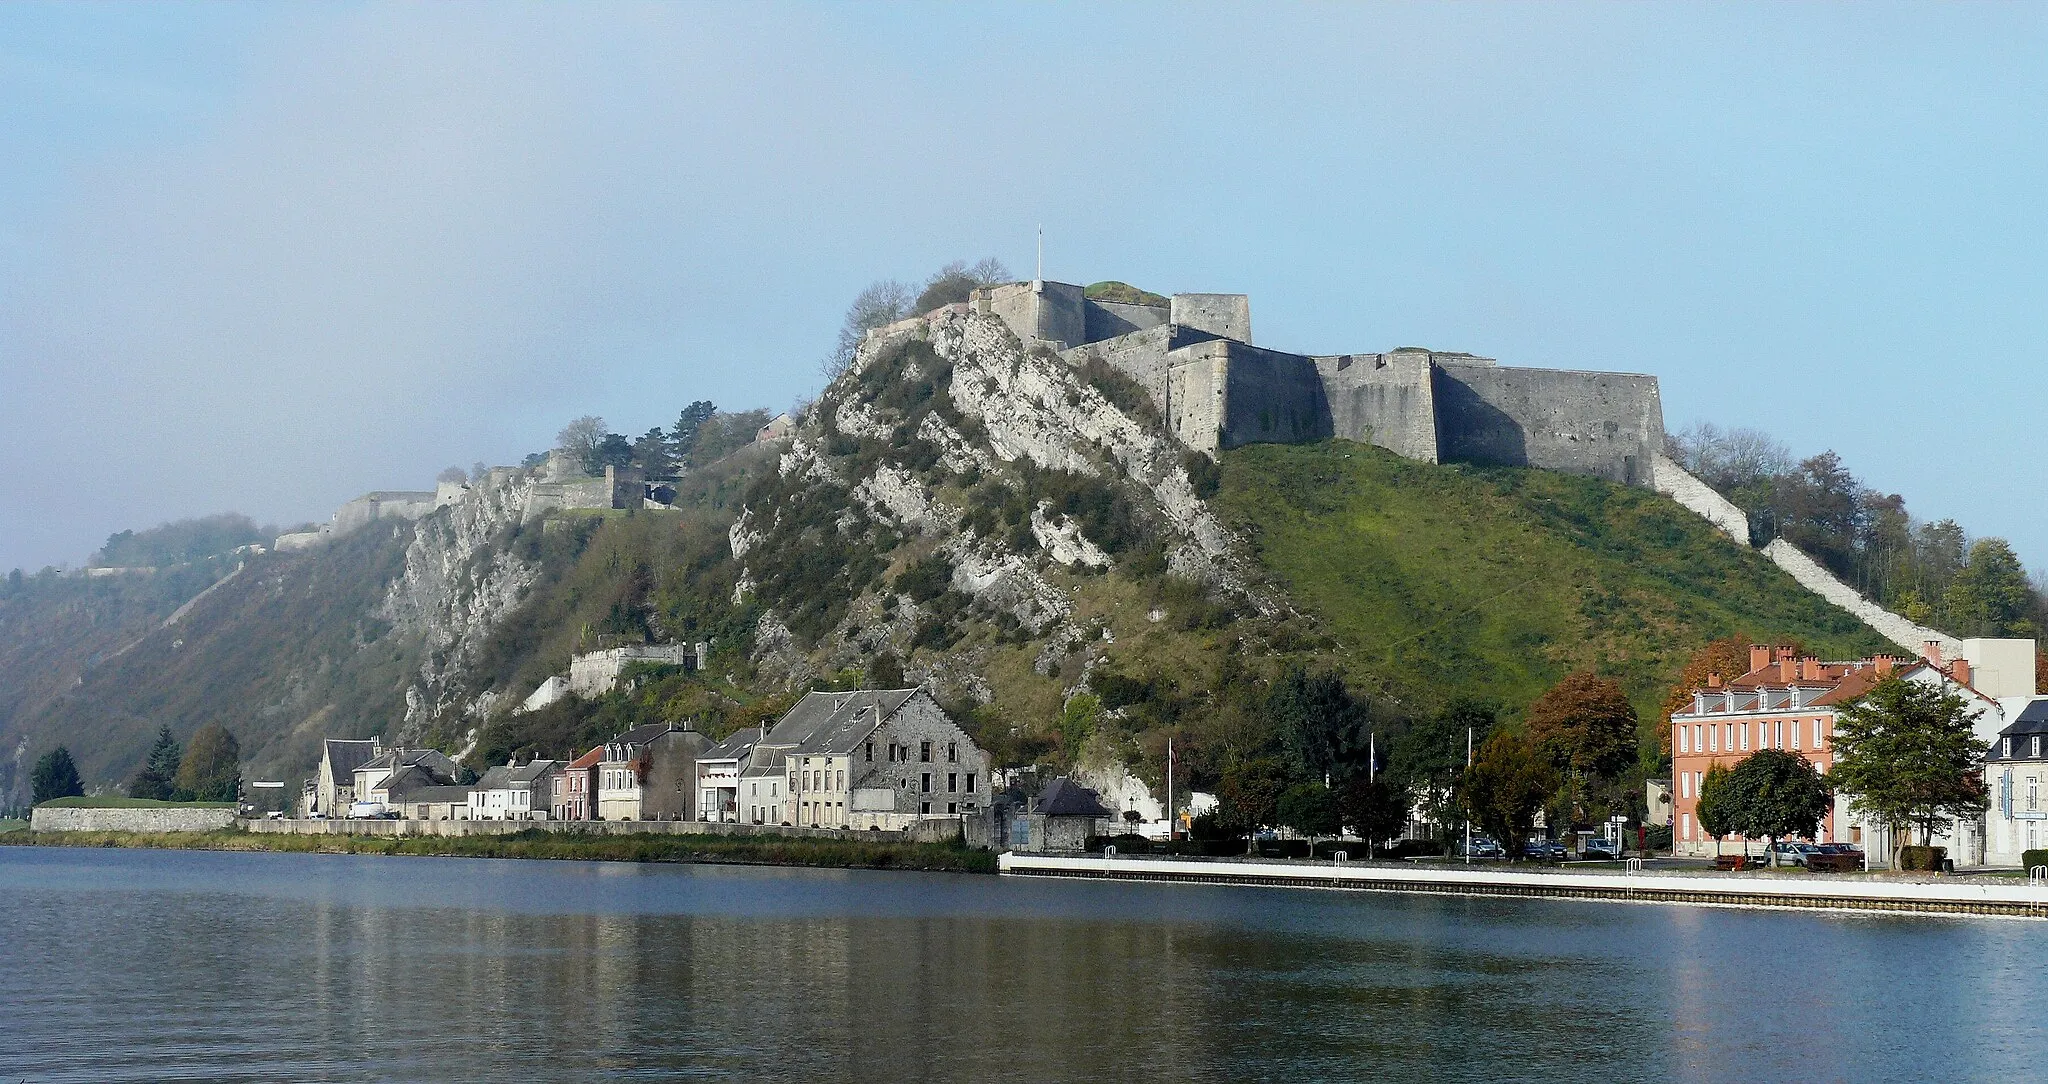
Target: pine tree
[
  {"x": 55, "y": 776},
  {"x": 158, "y": 776}
]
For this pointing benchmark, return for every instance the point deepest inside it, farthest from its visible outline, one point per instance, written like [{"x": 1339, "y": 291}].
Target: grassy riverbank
[{"x": 743, "y": 850}]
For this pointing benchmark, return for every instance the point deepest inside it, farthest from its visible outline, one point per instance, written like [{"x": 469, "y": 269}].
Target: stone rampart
[
  {"x": 1812, "y": 576},
  {"x": 1608, "y": 425},
  {"x": 1383, "y": 399},
  {"x": 1104, "y": 320},
  {"x": 1678, "y": 484},
  {"x": 155, "y": 819},
  {"x": 1268, "y": 397},
  {"x": 1228, "y": 316}
]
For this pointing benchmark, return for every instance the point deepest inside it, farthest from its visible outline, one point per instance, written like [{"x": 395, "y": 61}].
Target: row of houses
[
  {"x": 874, "y": 759},
  {"x": 1791, "y": 702}
]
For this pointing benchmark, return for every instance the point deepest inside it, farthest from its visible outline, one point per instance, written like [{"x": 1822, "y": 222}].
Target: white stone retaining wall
[
  {"x": 73, "y": 819},
  {"x": 935, "y": 830},
  {"x": 1821, "y": 582},
  {"x": 1803, "y": 890}
]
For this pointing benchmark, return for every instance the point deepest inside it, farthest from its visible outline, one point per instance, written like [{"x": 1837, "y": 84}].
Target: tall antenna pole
[
  {"x": 1468, "y": 816},
  {"x": 1041, "y": 254},
  {"x": 1169, "y": 790}
]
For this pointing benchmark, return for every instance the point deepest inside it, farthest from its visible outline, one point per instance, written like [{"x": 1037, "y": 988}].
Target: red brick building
[{"x": 1784, "y": 702}]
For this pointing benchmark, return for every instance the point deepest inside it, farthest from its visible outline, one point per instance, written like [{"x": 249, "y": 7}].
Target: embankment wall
[
  {"x": 69, "y": 819},
  {"x": 929, "y": 831}
]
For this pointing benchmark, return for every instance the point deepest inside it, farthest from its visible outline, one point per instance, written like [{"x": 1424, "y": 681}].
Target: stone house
[
  {"x": 718, "y": 775},
  {"x": 375, "y": 777},
  {"x": 438, "y": 803},
  {"x": 2016, "y": 774},
  {"x": 879, "y": 759},
  {"x": 1061, "y": 817},
  {"x": 332, "y": 790},
  {"x": 574, "y": 789},
  {"x": 515, "y": 792},
  {"x": 649, "y": 773}
]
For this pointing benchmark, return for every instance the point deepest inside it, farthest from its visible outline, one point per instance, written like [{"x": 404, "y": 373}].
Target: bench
[{"x": 1731, "y": 861}]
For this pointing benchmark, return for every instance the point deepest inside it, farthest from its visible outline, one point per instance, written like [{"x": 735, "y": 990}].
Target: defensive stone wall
[
  {"x": 1608, "y": 425},
  {"x": 1812, "y": 576},
  {"x": 1268, "y": 397},
  {"x": 1678, "y": 484},
  {"x": 162, "y": 819},
  {"x": 1109, "y": 319},
  {"x": 1383, "y": 399},
  {"x": 1227, "y": 316}
]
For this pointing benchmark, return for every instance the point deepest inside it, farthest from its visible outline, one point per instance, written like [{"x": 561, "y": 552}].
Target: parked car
[
  {"x": 1482, "y": 847},
  {"x": 1793, "y": 854},
  {"x": 1602, "y": 850},
  {"x": 1544, "y": 850}
]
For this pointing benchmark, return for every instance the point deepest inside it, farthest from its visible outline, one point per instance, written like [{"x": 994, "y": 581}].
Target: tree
[
  {"x": 579, "y": 440},
  {"x": 1906, "y": 753},
  {"x": 652, "y": 453},
  {"x": 1428, "y": 759},
  {"x": 1309, "y": 808},
  {"x": 1587, "y": 727},
  {"x": 1990, "y": 596},
  {"x": 1248, "y": 796},
  {"x": 158, "y": 776},
  {"x": 452, "y": 474},
  {"x": 55, "y": 776},
  {"x": 613, "y": 451},
  {"x": 1505, "y": 786},
  {"x": 1715, "y": 804},
  {"x": 1772, "y": 794},
  {"x": 682, "y": 439},
  {"x": 212, "y": 768},
  {"x": 1376, "y": 807},
  {"x": 957, "y": 282},
  {"x": 883, "y": 302},
  {"x": 1321, "y": 726}
]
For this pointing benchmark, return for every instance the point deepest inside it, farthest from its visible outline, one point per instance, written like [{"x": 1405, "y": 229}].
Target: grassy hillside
[{"x": 1494, "y": 582}]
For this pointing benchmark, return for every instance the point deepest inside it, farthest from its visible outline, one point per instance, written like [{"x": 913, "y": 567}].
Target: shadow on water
[{"x": 165, "y": 965}]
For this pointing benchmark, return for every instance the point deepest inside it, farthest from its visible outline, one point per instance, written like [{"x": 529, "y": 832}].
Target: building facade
[
  {"x": 2016, "y": 772},
  {"x": 649, "y": 773},
  {"x": 515, "y": 792},
  {"x": 880, "y": 759},
  {"x": 573, "y": 790}
]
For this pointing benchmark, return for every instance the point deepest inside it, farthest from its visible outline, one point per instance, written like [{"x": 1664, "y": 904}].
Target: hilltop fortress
[{"x": 1216, "y": 390}]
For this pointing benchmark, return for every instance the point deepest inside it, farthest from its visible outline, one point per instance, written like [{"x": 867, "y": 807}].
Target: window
[
  {"x": 952, "y": 807},
  {"x": 927, "y": 789},
  {"x": 1794, "y": 727},
  {"x": 842, "y": 779},
  {"x": 924, "y": 752},
  {"x": 952, "y": 782},
  {"x": 970, "y": 782},
  {"x": 2033, "y": 793},
  {"x": 1742, "y": 732},
  {"x": 924, "y": 807},
  {"x": 1713, "y": 739},
  {"x": 1816, "y": 733},
  {"x": 1685, "y": 825},
  {"x": 2005, "y": 749},
  {"x": 1680, "y": 744},
  {"x": 952, "y": 752},
  {"x": 2035, "y": 742}
]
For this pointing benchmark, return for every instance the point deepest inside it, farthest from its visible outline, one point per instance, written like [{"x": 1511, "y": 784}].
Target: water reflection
[{"x": 123, "y": 965}]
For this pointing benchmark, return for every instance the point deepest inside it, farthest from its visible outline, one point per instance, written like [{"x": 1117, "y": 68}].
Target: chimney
[
  {"x": 1759, "y": 657},
  {"x": 1931, "y": 651},
  {"x": 1809, "y": 669},
  {"x": 1961, "y": 672},
  {"x": 1884, "y": 665},
  {"x": 1713, "y": 681}
]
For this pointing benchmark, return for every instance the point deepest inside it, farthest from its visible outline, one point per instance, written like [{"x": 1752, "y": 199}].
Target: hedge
[
  {"x": 2035, "y": 857},
  {"x": 1922, "y": 858}
]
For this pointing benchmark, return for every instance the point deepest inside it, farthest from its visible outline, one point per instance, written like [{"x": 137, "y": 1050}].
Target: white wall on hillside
[
  {"x": 1821, "y": 582},
  {"x": 1679, "y": 484}
]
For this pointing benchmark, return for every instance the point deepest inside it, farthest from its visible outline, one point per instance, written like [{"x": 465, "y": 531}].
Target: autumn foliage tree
[
  {"x": 1585, "y": 724},
  {"x": 1507, "y": 783}
]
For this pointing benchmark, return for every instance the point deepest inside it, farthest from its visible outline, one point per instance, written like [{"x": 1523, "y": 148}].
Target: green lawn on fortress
[
  {"x": 12, "y": 824},
  {"x": 113, "y": 801},
  {"x": 1494, "y": 582}
]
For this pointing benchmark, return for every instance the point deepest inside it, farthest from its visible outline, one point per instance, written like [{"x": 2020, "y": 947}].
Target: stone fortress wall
[{"x": 1217, "y": 390}]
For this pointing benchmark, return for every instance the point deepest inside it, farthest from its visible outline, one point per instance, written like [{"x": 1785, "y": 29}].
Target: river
[{"x": 189, "y": 965}]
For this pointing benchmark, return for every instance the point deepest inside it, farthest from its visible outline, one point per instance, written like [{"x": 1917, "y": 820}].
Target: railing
[
  {"x": 2038, "y": 876},
  {"x": 1109, "y": 850},
  {"x": 1340, "y": 857},
  {"x": 1634, "y": 865}
]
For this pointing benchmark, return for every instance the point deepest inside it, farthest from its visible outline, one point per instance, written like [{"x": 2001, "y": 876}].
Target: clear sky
[{"x": 268, "y": 257}]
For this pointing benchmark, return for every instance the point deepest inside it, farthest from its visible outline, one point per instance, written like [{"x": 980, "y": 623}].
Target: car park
[
  {"x": 1793, "y": 853},
  {"x": 1601, "y": 850},
  {"x": 1544, "y": 850}
]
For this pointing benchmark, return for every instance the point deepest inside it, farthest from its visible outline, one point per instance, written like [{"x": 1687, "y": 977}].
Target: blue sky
[{"x": 268, "y": 257}]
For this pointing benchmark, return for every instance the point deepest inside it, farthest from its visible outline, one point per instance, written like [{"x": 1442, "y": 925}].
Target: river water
[{"x": 183, "y": 965}]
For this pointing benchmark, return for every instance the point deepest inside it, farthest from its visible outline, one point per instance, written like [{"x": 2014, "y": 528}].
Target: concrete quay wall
[
  {"x": 1790, "y": 891},
  {"x": 933, "y": 831},
  {"x": 76, "y": 819}
]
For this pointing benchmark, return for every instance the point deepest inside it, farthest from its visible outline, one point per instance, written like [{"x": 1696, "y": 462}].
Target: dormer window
[
  {"x": 2035, "y": 746},
  {"x": 2005, "y": 748}
]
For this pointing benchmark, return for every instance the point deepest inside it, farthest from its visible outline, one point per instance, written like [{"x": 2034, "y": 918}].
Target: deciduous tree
[
  {"x": 1429, "y": 758},
  {"x": 579, "y": 439},
  {"x": 883, "y": 302},
  {"x": 55, "y": 776},
  {"x": 1505, "y": 786},
  {"x": 1906, "y": 753},
  {"x": 1248, "y": 795},
  {"x": 1375, "y": 807},
  {"x": 1772, "y": 794},
  {"x": 1990, "y": 596},
  {"x": 1321, "y": 726},
  {"x": 1715, "y": 804},
  {"x": 1309, "y": 808},
  {"x": 212, "y": 768}
]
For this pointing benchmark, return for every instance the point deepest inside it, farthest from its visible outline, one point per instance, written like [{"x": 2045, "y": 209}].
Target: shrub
[
  {"x": 1203, "y": 473},
  {"x": 2035, "y": 857},
  {"x": 1922, "y": 858}
]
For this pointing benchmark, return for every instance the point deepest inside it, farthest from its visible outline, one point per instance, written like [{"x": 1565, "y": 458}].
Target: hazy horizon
[{"x": 267, "y": 258}]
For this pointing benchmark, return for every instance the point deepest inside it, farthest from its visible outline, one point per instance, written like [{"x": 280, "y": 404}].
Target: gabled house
[
  {"x": 514, "y": 792},
  {"x": 879, "y": 758},
  {"x": 718, "y": 775},
  {"x": 1060, "y": 817},
  {"x": 2016, "y": 774},
  {"x": 435, "y": 803},
  {"x": 332, "y": 789},
  {"x": 375, "y": 777},
  {"x": 574, "y": 788},
  {"x": 649, "y": 773}
]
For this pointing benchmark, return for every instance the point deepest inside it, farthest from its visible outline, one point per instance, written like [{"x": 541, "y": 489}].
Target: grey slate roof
[
  {"x": 344, "y": 756},
  {"x": 511, "y": 777},
  {"x": 641, "y": 735},
  {"x": 1065, "y": 798},
  {"x": 433, "y": 760},
  {"x": 736, "y": 746},
  {"x": 835, "y": 723},
  {"x": 2032, "y": 720},
  {"x": 451, "y": 793}
]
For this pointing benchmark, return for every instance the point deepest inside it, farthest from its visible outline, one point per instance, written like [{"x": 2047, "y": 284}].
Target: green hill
[{"x": 1494, "y": 582}]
